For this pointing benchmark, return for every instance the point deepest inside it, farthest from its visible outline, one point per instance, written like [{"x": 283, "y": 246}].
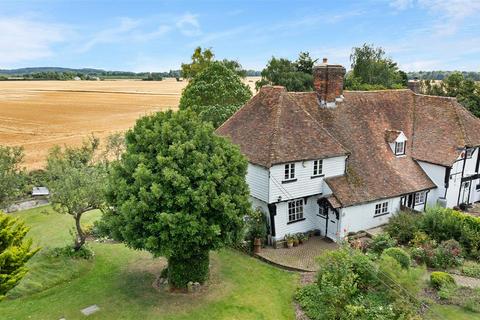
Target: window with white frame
[
  {"x": 381, "y": 209},
  {"x": 317, "y": 167},
  {"x": 322, "y": 212},
  {"x": 400, "y": 148},
  {"x": 290, "y": 171},
  {"x": 295, "y": 210},
  {"x": 420, "y": 197}
]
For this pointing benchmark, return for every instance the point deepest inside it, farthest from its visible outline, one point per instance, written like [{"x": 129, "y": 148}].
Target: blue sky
[{"x": 159, "y": 35}]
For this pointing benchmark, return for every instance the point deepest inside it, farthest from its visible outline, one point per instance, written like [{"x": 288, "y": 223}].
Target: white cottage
[{"x": 339, "y": 162}]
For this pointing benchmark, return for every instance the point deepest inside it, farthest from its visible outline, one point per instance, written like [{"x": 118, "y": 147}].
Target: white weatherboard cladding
[
  {"x": 361, "y": 217},
  {"x": 257, "y": 179},
  {"x": 304, "y": 185},
  {"x": 436, "y": 173},
  {"x": 311, "y": 222}
]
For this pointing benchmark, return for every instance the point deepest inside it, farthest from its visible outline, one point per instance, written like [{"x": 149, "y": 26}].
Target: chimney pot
[{"x": 325, "y": 60}]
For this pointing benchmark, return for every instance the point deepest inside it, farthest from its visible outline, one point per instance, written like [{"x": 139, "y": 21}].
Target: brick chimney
[
  {"x": 414, "y": 85},
  {"x": 328, "y": 83}
]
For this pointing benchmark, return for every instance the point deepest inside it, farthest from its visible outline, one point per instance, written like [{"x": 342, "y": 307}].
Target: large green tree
[
  {"x": 294, "y": 76},
  {"x": 76, "y": 179},
  {"x": 11, "y": 174},
  {"x": 15, "y": 251},
  {"x": 215, "y": 85},
  {"x": 466, "y": 90},
  {"x": 179, "y": 191},
  {"x": 202, "y": 58},
  {"x": 372, "y": 69}
]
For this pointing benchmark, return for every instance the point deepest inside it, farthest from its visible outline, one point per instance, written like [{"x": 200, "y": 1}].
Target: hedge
[{"x": 439, "y": 279}]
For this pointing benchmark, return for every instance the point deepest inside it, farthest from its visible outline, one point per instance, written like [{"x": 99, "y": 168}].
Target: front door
[{"x": 332, "y": 225}]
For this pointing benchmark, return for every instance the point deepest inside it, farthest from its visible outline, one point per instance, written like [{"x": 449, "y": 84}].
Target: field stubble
[{"x": 40, "y": 114}]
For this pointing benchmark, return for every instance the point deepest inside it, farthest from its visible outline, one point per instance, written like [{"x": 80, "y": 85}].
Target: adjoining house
[{"x": 340, "y": 162}]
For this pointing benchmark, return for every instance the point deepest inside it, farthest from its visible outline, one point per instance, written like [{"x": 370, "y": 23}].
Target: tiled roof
[
  {"x": 272, "y": 128},
  {"x": 278, "y": 126}
]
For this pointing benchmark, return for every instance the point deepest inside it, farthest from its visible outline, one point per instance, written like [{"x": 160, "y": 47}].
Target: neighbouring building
[{"x": 340, "y": 162}]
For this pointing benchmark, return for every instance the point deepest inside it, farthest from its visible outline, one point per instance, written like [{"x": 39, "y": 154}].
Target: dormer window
[
  {"x": 399, "y": 148},
  {"x": 397, "y": 141}
]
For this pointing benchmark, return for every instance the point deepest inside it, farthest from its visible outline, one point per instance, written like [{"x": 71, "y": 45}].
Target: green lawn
[
  {"x": 119, "y": 281},
  {"x": 452, "y": 313}
]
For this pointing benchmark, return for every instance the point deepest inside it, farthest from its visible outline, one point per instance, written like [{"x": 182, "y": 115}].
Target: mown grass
[
  {"x": 119, "y": 280},
  {"x": 444, "y": 312}
]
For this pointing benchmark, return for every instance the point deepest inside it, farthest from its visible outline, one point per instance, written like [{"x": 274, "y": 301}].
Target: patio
[{"x": 301, "y": 258}]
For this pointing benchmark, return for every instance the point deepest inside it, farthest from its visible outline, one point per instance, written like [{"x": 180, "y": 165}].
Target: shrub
[
  {"x": 308, "y": 298},
  {"x": 448, "y": 254},
  {"x": 403, "y": 226},
  {"x": 471, "y": 269},
  {"x": 439, "y": 279},
  {"x": 381, "y": 242},
  {"x": 69, "y": 251},
  {"x": 182, "y": 271},
  {"x": 447, "y": 291},
  {"x": 392, "y": 274},
  {"x": 257, "y": 225},
  {"x": 444, "y": 224},
  {"x": 400, "y": 255}
]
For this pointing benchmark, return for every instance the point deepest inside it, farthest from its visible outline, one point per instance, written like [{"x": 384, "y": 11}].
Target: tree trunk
[
  {"x": 182, "y": 270},
  {"x": 80, "y": 237}
]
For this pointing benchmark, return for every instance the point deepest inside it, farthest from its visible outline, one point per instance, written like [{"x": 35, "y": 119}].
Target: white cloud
[
  {"x": 401, "y": 4},
  {"x": 24, "y": 39},
  {"x": 450, "y": 14},
  {"x": 111, "y": 35},
  {"x": 188, "y": 25}
]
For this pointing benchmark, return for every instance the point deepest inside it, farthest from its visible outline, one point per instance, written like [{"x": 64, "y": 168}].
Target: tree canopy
[
  {"x": 11, "y": 174},
  {"x": 215, "y": 85},
  {"x": 466, "y": 90},
  {"x": 202, "y": 58},
  {"x": 372, "y": 69},
  {"x": 294, "y": 76},
  {"x": 15, "y": 252},
  {"x": 76, "y": 180},
  {"x": 178, "y": 191}
]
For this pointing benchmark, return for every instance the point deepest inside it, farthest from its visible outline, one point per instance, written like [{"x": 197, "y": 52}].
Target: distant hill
[{"x": 30, "y": 70}]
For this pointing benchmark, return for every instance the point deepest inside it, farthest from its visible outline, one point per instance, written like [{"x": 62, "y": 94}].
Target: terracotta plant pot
[{"x": 257, "y": 245}]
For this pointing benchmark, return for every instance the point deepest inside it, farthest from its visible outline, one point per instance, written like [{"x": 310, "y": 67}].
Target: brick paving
[
  {"x": 475, "y": 210},
  {"x": 301, "y": 258}
]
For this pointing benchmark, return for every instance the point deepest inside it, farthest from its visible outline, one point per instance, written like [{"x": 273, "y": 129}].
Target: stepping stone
[{"x": 90, "y": 310}]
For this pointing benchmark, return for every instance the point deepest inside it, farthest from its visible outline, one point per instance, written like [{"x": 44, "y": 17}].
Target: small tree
[
  {"x": 76, "y": 182},
  {"x": 215, "y": 85},
  {"x": 179, "y": 191},
  {"x": 11, "y": 175},
  {"x": 15, "y": 251}
]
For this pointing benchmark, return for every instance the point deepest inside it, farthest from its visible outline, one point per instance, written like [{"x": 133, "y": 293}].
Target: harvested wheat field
[{"x": 40, "y": 114}]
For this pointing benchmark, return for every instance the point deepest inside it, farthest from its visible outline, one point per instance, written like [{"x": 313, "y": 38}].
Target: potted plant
[
  {"x": 295, "y": 240},
  {"x": 302, "y": 237},
  {"x": 257, "y": 229},
  {"x": 289, "y": 240}
]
